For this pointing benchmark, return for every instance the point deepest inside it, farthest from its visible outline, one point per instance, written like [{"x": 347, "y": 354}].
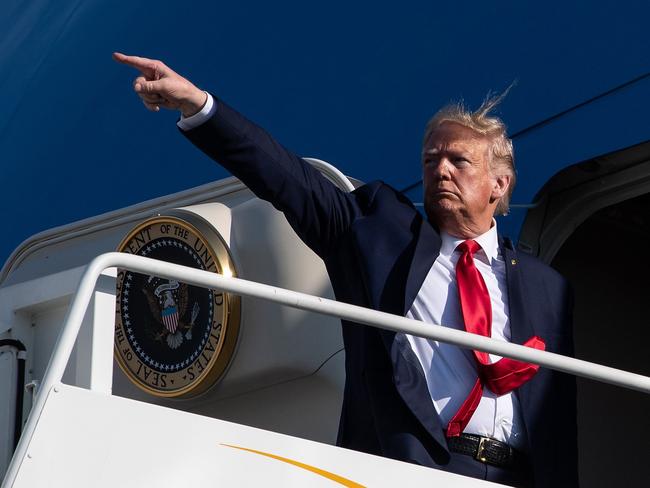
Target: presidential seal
[{"x": 174, "y": 339}]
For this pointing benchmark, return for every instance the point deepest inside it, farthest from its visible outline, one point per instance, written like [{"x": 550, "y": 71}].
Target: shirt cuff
[{"x": 208, "y": 110}]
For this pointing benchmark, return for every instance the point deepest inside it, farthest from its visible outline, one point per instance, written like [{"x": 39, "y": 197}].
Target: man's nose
[{"x": 441, "y": 170}]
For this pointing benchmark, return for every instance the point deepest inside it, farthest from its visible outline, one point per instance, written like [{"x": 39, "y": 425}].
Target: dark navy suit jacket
[{"x": 378, "y": 250}]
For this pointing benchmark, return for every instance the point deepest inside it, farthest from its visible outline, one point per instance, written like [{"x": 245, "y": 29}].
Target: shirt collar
[{"x": 488, "y": 241}]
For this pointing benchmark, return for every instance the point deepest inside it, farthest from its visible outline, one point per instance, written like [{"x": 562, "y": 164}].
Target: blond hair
[{"x": 503, "y": 157}]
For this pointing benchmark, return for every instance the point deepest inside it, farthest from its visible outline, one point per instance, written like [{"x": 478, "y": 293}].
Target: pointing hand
[{"x": 160, "y": 86}]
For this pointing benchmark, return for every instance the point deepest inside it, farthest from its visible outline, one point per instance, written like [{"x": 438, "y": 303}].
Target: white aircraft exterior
[{"x": 268, "y": 378}]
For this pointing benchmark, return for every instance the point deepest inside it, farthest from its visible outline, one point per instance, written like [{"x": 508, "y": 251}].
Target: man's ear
[{"x": 500, "y": 185}]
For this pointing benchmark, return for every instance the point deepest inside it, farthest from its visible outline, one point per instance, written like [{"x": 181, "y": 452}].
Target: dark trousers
[{"x": 468, "y": 466}]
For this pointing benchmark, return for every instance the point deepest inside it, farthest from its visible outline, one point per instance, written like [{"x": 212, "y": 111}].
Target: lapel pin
[{"x": 513, "y": 261}]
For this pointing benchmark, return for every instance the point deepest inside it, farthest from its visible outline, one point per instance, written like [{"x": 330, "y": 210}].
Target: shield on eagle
[{"x": 170, "y": 318}]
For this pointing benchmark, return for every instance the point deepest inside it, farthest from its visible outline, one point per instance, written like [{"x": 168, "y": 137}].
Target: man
[{"x": 408, "y": 398}]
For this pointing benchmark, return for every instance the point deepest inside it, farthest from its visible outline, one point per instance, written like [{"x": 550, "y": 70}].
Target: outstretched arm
[{"x": 316, "y": 209}]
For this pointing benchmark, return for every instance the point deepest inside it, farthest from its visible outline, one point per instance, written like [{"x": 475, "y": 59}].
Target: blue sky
[{"x": 351, "y": 83}]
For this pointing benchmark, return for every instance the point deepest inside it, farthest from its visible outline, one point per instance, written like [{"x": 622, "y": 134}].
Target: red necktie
[{"x": 506, "y": 374}]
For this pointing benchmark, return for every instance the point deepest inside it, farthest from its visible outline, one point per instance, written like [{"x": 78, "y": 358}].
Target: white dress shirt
[{"x": 451, "y": 371}]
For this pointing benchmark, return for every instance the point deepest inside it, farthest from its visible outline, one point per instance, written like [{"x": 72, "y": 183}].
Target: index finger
[{"x": 145, "y": 65}]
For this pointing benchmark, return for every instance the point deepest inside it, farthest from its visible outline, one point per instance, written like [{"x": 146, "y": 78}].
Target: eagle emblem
[
  {"x": 173, "y": 339},
  {"x": 168, "y": 303}
]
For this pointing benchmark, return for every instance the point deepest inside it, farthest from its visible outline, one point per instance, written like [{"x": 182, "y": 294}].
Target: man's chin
[
  {"x": 442, "y": 203},
  {"x": 440, "y": 210}
]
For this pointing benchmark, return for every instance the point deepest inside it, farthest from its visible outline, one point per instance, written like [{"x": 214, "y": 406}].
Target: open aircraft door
[{"x": 591, "y": 222}]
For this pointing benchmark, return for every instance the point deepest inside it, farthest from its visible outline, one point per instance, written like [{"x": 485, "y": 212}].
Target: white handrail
[
  {"x": 206, "y": 279},
  {"x": 353, "y": 313}
]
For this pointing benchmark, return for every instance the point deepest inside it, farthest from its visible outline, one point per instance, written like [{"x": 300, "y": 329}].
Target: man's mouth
[{"x": 443, "y": 193}]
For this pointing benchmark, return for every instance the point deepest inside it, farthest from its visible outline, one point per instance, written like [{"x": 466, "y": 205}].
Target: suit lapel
[
  {"x": 411, "y": 384},
  {"x": 521, "y": 328},
  {"x": 427, "y": 249},
  {"x": 408, "y": 375}
]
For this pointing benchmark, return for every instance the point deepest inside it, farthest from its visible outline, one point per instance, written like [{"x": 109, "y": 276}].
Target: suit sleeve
[{"x": 317, "y": 210}]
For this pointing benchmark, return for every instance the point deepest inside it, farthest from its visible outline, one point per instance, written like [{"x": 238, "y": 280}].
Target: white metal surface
[
  {"x": 95, "y": 361},
  {"x": 266, "y": 363},
  {"x": 110, "y": 220},
  {"x": 85, "y": 291},
  {"x": 117, "y": 442}
]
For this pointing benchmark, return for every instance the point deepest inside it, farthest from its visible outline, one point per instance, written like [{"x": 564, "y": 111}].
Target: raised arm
[{"x": 316, "y": 209}]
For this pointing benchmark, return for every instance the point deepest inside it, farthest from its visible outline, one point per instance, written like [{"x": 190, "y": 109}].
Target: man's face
[{"x": 460, "y": 192}]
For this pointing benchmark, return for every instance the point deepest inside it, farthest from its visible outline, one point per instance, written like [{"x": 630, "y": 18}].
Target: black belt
[{"x": 488, "y": 451}]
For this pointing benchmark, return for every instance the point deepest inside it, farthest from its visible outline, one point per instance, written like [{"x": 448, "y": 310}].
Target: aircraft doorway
[
  {"x": 593, "y": 225},
  {"x": 606, "y": 261}
]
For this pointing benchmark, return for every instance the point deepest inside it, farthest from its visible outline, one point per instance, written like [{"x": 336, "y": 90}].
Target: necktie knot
[{"x": 469, "y": 246}]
